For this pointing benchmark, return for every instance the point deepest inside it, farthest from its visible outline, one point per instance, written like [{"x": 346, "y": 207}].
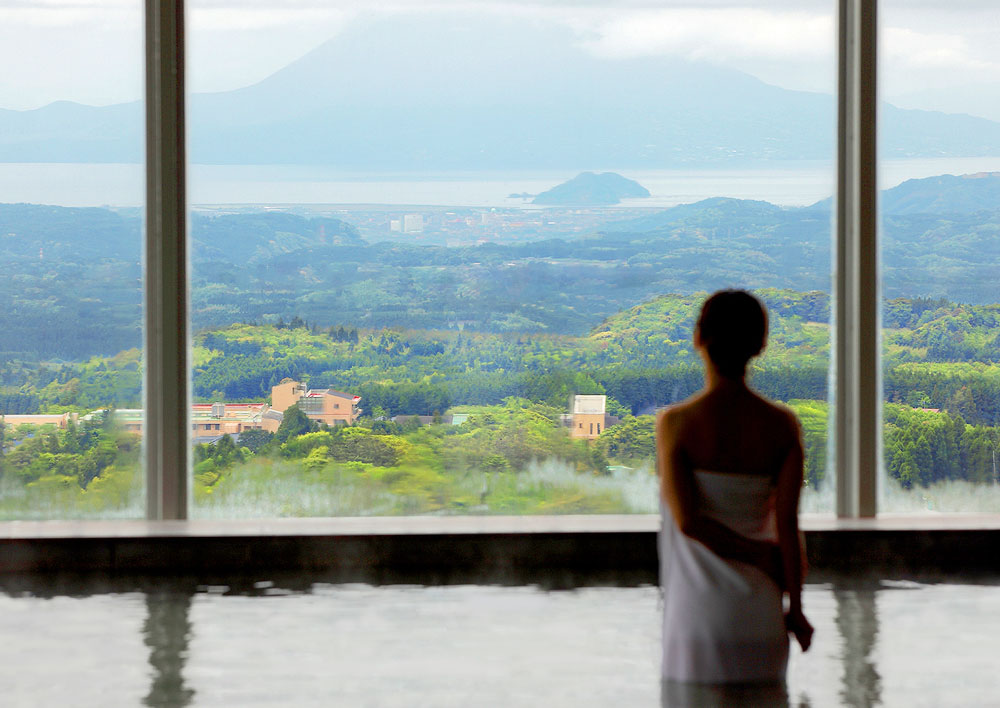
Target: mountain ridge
[{"x": 453, "y": 95}]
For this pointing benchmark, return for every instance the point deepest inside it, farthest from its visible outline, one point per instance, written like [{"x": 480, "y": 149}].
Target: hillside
[
  {"x": 660, "y": 330},
  {"x": 709, "y": 212},
  {"x": 916, "y": 330},
  {"x": 79, "y": 272},
  {"x": 938, "y": 352},
  {"x": 944, "y": 194},
  {"x": 513, "y": 453}
]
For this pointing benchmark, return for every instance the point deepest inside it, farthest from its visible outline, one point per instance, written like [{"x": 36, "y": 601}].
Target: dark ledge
[{"x": 553, "y": 550}]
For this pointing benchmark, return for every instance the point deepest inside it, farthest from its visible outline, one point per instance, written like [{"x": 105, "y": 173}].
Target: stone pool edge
[{"x": 515, "y": 549}]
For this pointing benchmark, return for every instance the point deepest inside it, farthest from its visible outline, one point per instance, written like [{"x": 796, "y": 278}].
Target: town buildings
[{"x": 210, "y": 421}]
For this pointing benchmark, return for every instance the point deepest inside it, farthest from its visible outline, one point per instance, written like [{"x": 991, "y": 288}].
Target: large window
[
  {"x": 447, "y": 260},
  {"x": 940, "y": 208},
  {"x": 71, "y": 198}
]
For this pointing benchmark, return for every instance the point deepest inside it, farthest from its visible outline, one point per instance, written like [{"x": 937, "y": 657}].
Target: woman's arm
[
  {"x": 790, "y": 479},
  {"x": 678, "y": 492}
]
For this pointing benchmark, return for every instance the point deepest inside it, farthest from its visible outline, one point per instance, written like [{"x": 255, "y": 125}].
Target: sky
[{"x": 90, "y": 51}]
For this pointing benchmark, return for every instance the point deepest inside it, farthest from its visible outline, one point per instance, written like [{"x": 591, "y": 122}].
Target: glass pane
[
  {"x": 940, "y": 257},
  {"x": 447, "y": 260},
  {"x": 71, "y": 198}
]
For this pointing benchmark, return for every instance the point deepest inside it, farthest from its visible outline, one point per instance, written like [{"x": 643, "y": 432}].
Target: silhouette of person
[{"x": 731, "y": 468}]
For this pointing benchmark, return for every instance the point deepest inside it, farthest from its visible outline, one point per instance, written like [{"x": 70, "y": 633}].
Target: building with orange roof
[{"x": 325, "y": 405}]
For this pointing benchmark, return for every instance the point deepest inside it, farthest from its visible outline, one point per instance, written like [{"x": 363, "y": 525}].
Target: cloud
[
  {"x": 87, "y": 50},
  {"x": 57, "y": 14},
  {"x": 231, "y": 19},
  {"x": 570, "y": 5},
  {"x": 717, "y": 34},
  {"x": 926, "y": 50}
]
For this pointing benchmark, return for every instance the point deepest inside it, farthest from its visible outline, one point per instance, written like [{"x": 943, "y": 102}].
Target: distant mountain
[
  {"x": 944, "y": 194},
  {"x": 941, "y": 194},
  {"x": 405, "y": 93},
  {"x": 69, "y": 132},
  {"x": 714, "y": 210},
  {"x": 938, "y": 239},
  {"x": 79, "y": 271},
  {"x": 590, "y": 189}
]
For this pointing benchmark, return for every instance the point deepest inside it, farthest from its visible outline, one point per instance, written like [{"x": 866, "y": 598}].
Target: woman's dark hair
[{"x": 733, "y": 328}]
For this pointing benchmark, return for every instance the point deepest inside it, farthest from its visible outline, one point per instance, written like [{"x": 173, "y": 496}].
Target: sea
[{"x": 122, "y": 185}]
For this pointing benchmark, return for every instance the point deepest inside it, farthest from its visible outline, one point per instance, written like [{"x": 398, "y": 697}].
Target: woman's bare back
[{"x": 732, "y": 429}]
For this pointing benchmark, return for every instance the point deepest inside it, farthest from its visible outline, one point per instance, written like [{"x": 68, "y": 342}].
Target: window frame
[
  {"x": 166, "y": 387},
  {"x": 855, "y": 425},
  {"x": 856, "y": 367}
]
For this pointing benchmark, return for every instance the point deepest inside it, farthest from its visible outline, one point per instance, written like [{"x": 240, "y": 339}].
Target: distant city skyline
[{"x": 90, "y": 51}]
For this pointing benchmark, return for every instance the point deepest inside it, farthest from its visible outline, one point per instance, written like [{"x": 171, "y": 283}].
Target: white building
[{"x": 413, "y": 223}]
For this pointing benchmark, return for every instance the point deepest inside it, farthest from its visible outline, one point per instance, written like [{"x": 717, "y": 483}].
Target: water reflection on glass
[{"x": 166, "y": 632}]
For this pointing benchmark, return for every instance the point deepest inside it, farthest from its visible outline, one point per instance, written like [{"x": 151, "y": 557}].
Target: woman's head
[{"x": 732, "y": 329}]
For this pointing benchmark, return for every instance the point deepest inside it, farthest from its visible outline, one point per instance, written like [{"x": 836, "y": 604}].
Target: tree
[
  {"x": 495, "y": 463},
  {"x": 317, "y": 458},
  {"x": 598, "y": 460},
  {"x": 255, "y": 439},
  {"x": 294, "y": 423},
  {"x": 923, "y": 460},
  {"x": 226, "y": 452},
  {"x": 632, "y": 439}
]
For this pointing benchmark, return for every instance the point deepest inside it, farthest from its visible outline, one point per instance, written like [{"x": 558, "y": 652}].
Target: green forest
[
  {"x": 501, "y": 315},
  {"x": 79, "y": 271},
  {"x": 512, "y": 454}
]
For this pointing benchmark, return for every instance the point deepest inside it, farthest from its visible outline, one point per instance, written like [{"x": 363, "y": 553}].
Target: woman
[{"x": 730, "y": 465}]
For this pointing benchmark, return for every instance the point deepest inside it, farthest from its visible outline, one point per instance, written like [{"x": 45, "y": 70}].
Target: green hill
[
  {"x": 661, "y": 329},
  {"x": 944, "y": 194}
]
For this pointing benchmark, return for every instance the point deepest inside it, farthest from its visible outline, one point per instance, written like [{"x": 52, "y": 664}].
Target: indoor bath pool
[{"x": 264, "y": 644}]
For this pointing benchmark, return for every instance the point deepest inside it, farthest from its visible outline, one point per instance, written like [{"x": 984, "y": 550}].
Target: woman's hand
[{"x": 797, "y": 624}]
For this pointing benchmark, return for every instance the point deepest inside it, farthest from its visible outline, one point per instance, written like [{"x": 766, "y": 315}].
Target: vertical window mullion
[
  {"x": 166, "y": 366},
  {"x": 857, "y": 419}
]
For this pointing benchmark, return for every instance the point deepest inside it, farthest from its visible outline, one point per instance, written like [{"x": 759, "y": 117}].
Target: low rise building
[
  {"x": 589, "y": 417},
  {"x": 208, "y": 420},
  {"x": 325, "y": 405},
  {"x": 447, "y": 419},
  {"x": 59, "y": 420},
  {"x": 213, "y": 419}
]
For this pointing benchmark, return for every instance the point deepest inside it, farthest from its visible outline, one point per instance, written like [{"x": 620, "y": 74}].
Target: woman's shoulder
[
  {"x": 779, "y": 416},
  {"x": 676, "y": 413},
  {"x": 784, "y": 412}
]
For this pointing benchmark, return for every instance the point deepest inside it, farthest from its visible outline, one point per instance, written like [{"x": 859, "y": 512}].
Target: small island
[{"x": 591, "y": 189}]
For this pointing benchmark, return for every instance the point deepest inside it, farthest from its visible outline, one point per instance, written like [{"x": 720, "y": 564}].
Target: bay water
[{"x": 122, "y": 185}]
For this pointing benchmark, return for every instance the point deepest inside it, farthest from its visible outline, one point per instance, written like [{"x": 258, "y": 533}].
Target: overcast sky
[{"x": 90, "y": 51}]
